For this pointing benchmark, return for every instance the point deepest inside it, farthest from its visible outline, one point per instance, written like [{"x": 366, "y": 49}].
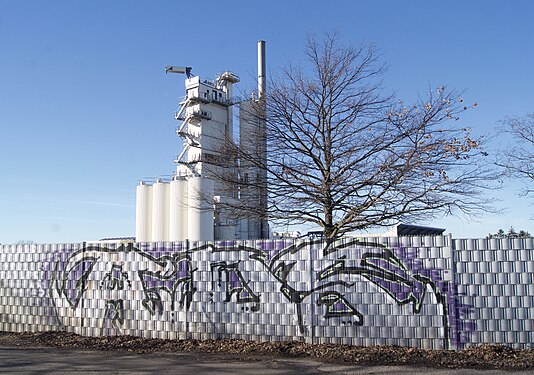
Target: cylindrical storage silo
[
  {"x": 178, "y": 210},
  {"x": 243, "y": 229},
  {"x": 160, "y": 211},
  {"x": 200, "y": 210},
  {"x": 143, "y": 212}
]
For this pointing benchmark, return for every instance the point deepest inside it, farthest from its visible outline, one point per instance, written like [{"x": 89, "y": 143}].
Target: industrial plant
[{"x": 190, "y": 204}]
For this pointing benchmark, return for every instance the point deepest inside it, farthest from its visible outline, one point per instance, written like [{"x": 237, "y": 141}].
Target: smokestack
[
  {"x": 261, "y": 69},
  {"x": 263, "y": 224}
]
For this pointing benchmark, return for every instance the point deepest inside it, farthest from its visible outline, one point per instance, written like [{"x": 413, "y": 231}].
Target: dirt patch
[{"x": 481, "y": 357}]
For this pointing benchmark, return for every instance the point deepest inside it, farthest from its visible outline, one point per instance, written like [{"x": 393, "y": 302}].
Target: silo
[
  {"x": 178, "y": 209},
  {"x": 160, "y": 211},
  {"x": 200, "y": 210},
  {"x": 243, "y": 229},
  {"x": 252, "y": 144},
  {"x": 143, "y": 212}
]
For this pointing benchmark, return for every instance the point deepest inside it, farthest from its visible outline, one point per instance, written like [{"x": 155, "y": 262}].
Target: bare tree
[
  {"x": 344, "y": 156},
  {"x": 518, "y": 159}
]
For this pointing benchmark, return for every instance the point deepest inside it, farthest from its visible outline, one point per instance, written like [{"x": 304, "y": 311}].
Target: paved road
[{"x": 14, "y": 360}]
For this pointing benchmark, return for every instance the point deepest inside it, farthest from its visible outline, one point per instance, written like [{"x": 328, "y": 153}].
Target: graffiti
[
  {"x": 344, "y": 291},
  {"x": 115, "y": 279},
  {"x": 377, "y": 264},
  {"x": 390, "y": 274},
  {"x": 37, "y": 288},
  {"x": 338, "y": 306},
  {"x": 114, "y": 313},
  {"x": 78, "y": 272},
  {"x": 315, "y": 282},
  {"x": 236, "y": 284},
  {"x": 175, "y": 279},
  {"x": 106, "y": 275}
]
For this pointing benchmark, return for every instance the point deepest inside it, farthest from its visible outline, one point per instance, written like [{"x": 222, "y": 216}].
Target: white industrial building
[{"x": 184, "y": 207}]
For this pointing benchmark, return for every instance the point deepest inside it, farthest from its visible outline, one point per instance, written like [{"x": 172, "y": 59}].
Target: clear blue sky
[{"x": 86, "y": 109}]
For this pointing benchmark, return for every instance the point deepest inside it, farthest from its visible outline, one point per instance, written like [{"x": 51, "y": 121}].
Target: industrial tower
[{"x": 185, "y": 207}]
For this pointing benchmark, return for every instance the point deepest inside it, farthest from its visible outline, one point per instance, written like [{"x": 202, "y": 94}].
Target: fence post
[
  {"x": 312, "y": 305},
  {"x": 454, "y": 329}
]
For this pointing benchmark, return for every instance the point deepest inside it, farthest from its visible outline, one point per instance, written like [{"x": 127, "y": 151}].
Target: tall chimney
[
  {"x": 261, "y": 69},
  {"x": 263, "y": 224}
]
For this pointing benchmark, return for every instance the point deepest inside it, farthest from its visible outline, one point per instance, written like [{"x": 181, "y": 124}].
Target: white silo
[
  {"x": 160, "y": 211},
  {"x": 143, "y": 212},
  {"x": 200, "y": 209},
  {"x": 178, "y": 209}
]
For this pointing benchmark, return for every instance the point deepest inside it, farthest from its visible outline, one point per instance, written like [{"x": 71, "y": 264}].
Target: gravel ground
[{"x": 481, "y": 357}]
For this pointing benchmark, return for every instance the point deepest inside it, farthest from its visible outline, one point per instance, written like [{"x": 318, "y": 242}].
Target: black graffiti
[
  {"x": 173, "y": 275},
  {"x": 235, "y": 284},
  {"x": 77, "y": 273},
  {"x": 392, "y": 275},
  {"x": 115, "y": 279},
  {"x": 338, "y": 306},
  {"x": 115, "y": 313},
  {"x": 157, "y": 282}
]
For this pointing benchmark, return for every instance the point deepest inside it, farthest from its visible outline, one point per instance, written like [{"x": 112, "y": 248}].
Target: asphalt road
[{"x": 15, "y": 360}]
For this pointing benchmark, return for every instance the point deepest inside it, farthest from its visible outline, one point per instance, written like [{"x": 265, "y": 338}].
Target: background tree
[
  {"x": 344, "y": 156},
  {"x": 517, "y": 159},
  {"x": 512, "y": 233}
]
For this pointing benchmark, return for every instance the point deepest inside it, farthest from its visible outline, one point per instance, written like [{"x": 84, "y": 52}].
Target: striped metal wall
[
  {"x": 495, "y": 281},
  {"x": 426, "y": 292}
]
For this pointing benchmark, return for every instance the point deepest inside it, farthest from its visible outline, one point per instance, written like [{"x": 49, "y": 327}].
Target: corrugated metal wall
[
  {"x": 495, "y": 281},
  {"x": 426, "y": 292}
]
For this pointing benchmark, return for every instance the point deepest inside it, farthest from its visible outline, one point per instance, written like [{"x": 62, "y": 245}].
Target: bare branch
[{"x": 517, "y": 159}]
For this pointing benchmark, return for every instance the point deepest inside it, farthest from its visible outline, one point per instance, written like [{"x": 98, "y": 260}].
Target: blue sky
[{"x": 86, "y": 108}]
